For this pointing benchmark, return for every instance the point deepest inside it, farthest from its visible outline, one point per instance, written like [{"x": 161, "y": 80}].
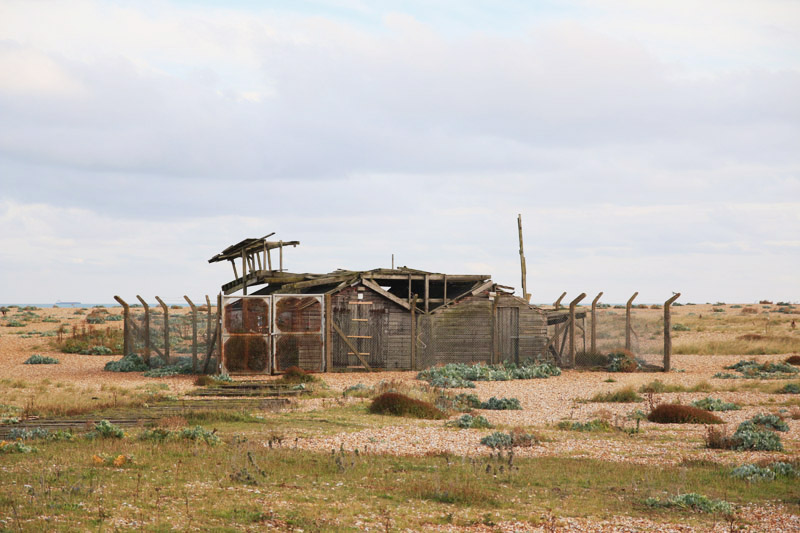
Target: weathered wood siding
[
  {"x": 379, "y": 328},
  {"x": 532, "y": 326}
]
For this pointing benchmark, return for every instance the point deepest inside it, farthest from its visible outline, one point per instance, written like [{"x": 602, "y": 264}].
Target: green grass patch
[{"x": 624, "y": 395}]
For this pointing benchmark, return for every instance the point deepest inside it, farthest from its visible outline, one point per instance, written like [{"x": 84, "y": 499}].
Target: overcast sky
[{"x": 650, "y": 146}]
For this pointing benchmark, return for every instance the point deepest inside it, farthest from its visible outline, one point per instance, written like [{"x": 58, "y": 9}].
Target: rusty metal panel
[
  {"x": 298, "y": 330},
  {"x": 246, "y": 332}
]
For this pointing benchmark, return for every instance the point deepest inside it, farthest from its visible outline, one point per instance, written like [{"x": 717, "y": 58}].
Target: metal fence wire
[
  {"x": 148, "y": 339},
  {"x": 645, "y": 339}
]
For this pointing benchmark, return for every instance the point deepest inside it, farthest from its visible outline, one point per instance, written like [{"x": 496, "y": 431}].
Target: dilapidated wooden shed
[{"x": 387, "y": 319}]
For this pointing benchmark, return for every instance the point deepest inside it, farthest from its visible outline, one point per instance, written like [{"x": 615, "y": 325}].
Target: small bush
[
  {"x": 501, "y": 404},
  {"x": 692, "y": 501},
  {"x": 592, "y": 425},
  {"x": 498, "y": 439},
  {"x": 99, "y": 350},
  {"x": 681, "y": 414},
  {"x": 624, "y": 395},
  {"x": 128, "y": 363},
  {"x": 715, "y": 404},
  {"x": 95, "y": 319},
  {"x": 396, "y": 404},
  {"x": 523, "y": 439},
  {"x": 790, "y": 388},
  {"x": 180, "y": 366},
  {"x": 157, "y": 435},
  {"x": 748, "y": 436},
  {"x": 199, "y": 433},
  {"x": 37, "y": 359},
  {"x": 752, "y": 472},
  {"x": 470, "y": 422},
  {"x": 15, "y": 447},
  {"x": 457, "y": 375},
  {"x": 793, "y": 360},
  {"x": 106, "y": 430},
  {"x": 680, "y": 327},
  {"x": 623, "y": 361},
  {"x": 769, "y": 422}
]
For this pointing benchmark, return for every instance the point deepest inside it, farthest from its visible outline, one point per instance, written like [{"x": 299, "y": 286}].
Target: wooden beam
[
  {"x": 350, "y": 345},
  {"x": 126, "y": 330},
  {"x": 328, "y": 339},
  {"x": 414, "y": 333},
  {"x": 427, "y": 293},
  {"x": 386, "y": 294},
  {"x": 572, "y": 305},
  {"x": 523, "y": 270},
  {"x": 668, "y": 332},
  {"x": 194, "y": 333},
  {"x": 628, "y": 326},
  {"x": 244, "y": 274},
  {"x": 594, "y": 322},
  {"x": 166, "y": 329},
  {"x": 146, "y": 329}
]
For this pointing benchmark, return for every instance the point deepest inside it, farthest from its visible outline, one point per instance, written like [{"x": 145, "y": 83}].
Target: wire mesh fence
[{"x": 162, "y": 336}]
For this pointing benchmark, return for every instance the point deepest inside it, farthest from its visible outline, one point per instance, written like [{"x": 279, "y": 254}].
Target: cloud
[{"x": 139, "y": 139}]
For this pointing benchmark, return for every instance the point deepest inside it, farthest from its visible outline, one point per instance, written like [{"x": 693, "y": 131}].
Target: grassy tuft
[
  {"x": 396, "y": 404},
  {"x": 624, "y": 395}
]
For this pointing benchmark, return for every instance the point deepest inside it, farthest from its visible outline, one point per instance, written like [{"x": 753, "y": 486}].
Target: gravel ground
[{"x": 544, "y": 402}]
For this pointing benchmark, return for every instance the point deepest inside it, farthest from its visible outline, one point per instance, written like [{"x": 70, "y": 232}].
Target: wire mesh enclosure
[{"x": 264, "y": 334}]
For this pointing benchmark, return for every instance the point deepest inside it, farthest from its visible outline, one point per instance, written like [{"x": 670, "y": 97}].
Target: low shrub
[
  {"x": 692, "y": 501},
  {"x": 501, "y": 404},
  {"x": 128, "y": 363},
  {"x": 105, "y": 430},
  {"x": 715, "y": 404},
  {"x": 199, "y": 433},
  {"x": 622, "y": 361},
  {"x": 753, "y": 369},
  {"x": 179, "y": 366},
  {"x": 592, "y": 425},
  {"x": 680, "y": 327},
  {"x": 752, "y": 472},
  {"x": 39, "y": 434},
  {"x": 15, "y": 447},
  {"x": 37, "y": 359},
  {"x": 359, "y": 390},
  {"x": 624, "y": 395},
  {"x": 157, "y": 435},
  {"x": 457, "y": 375},
  {"x": 523, "y": 439},
  {"x": 681, "y": 414},
  {"x": 793, "y": 360},
  {"x": 769, "y": 421},
  {"x": 754, "y": 434},
  {"x": 498, "y": 439},
  {"x": 790, "y": 388},
  {"x": 396, "y": 404},
  {"x": 98, "y": 350},
  {"x": 470, "y": 422}
]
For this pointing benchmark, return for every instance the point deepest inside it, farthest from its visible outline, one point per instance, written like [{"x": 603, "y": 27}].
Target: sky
[{"x": 648, "y": 146}]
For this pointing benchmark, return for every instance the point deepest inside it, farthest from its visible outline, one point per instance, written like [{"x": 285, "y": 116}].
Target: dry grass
[{"x": 749, "y": 344}]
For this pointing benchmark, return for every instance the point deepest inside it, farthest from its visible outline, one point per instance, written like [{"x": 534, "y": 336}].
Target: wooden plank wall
[
  {"x": 532, "y": 327},
  {"x": 385, "y": 335}
]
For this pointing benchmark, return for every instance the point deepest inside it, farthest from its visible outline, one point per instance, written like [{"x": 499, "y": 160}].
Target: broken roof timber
[{"x": 249, "y": 246}]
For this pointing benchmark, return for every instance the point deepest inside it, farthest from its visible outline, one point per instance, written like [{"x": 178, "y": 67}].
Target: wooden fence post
[
  {"x": 166, "y": 329},
  {"x": 668, "y": 332},
  {"x": 219, "y": 332},
  {"x": 414, "y": 332},
  {"x": 194, "y": 333},
  {"x": 146, "y": 329},
  {"x": 594, "y": 321},
  {"x": 556, "y": 307},
  {"x": 126, "y": 327},
  {"x": 628, "y": 326},
  {"x": 572, "y": 305}
]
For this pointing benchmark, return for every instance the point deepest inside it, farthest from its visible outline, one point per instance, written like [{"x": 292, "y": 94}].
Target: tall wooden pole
[
  {"x": 557, "y": 306},
  {"x": 628, "y": 326},
  {"x": 523, "y": 268},
  {"x": 668, "y": 332},
  {"x": 594, "y": 321},
  {"x": 146, "y": 329}
]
